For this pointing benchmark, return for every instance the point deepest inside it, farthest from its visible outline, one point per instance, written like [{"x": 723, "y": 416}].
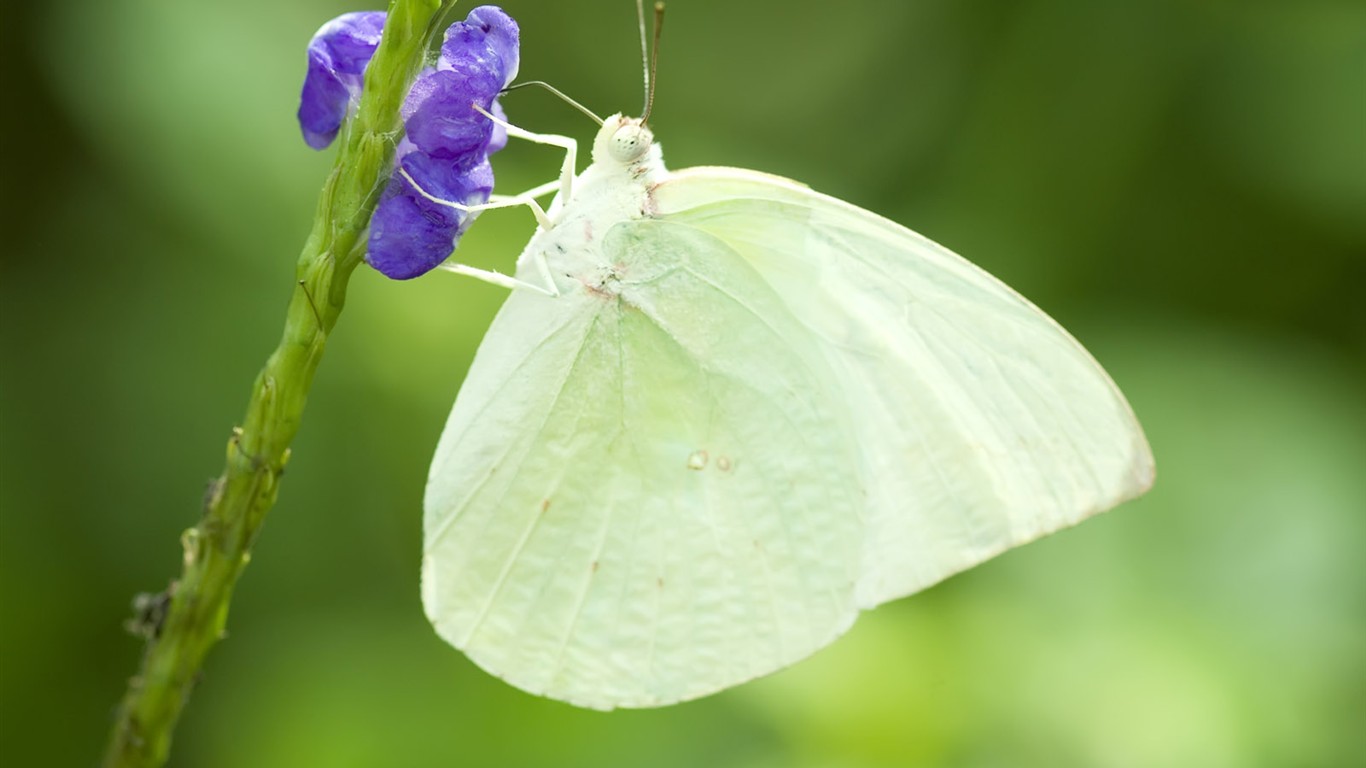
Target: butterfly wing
[
  {"x": 772, "y": 410},
  {"x": 982, "y": 424},
  {"x": 645, "y": 493}
]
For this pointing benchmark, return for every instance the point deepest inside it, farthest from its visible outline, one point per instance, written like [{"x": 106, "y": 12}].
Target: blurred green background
[{"x": 1181, "y": 183}]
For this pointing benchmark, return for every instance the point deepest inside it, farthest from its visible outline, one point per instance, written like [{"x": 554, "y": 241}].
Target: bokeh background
[{"x": 1182, "y": 183}]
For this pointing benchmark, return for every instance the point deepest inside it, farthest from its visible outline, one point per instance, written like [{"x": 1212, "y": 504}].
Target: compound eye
[{"x": 629, "y": 143}]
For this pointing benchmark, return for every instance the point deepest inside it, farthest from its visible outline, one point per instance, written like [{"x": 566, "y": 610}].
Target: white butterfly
[{"x": 733, "y": 413}]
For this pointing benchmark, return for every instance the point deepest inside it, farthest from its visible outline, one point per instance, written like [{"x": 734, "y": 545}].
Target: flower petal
[
  {"x": 498, "y": 33},
  {"x": 499, "y": 139},
  {"x": 438, "y": 115},
  {"x": 337, "y": 56}
]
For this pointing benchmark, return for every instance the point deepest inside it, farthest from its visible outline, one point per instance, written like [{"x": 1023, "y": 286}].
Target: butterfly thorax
[{"x": 627, "y": 164}]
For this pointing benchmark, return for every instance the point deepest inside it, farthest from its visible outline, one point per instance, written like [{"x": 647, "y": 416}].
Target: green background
[{"x": 1182, "y": 184}]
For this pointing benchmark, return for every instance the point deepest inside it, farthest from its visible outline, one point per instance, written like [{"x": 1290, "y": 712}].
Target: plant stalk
[{"x": 194, "y": 609}]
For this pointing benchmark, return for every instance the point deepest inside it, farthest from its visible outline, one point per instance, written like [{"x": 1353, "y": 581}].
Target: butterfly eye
[{"x": 629, "y": 143}]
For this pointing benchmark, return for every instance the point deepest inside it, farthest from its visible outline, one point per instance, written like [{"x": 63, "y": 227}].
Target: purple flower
[
  {"x": 448, "y": 143},
  {"x": 337, "y": 56},
  {"x": 447, "y": 146}
]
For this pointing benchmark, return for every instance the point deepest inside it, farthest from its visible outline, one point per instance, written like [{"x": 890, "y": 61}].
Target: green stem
[{"x": 219, "y": 547}]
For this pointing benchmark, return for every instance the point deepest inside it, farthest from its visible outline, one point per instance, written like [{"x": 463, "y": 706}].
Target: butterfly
[{"x": 733, "y": 413}]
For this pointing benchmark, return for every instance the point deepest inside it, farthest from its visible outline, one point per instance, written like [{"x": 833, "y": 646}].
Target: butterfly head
[{"x": 625, "y": 141}]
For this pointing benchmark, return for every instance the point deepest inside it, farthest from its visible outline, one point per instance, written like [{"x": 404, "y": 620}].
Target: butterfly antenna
[
  {"x": 558, "y": 93},
  {"x": 644, "y": 48},
  {"x": 654, "y": 59}
]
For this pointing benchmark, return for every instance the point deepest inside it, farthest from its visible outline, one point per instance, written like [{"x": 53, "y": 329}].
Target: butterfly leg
[
  {"x": 570, "y": 147},
  {"x": 540, "y": 190},
  {"x": 541, "y": 219},
  {"x": 527, "y": 198},
  {"x": 503, "y": 281},
  {"x": 566, "y": 187}
]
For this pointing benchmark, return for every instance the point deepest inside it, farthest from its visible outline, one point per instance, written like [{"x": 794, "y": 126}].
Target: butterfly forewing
[{"x": 648, "y": 490}]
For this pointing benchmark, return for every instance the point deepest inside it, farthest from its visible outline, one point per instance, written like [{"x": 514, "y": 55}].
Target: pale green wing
[
  {"x": 645, "y": 492},
  {"x": 982, "y": 423}
]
